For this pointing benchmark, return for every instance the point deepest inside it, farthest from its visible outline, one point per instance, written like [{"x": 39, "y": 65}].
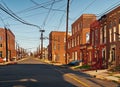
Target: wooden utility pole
[
  {"x": 16, "y": 51},
  {"x": 6, "y": 38},
  {"x": 41, "y": 43},
  {"x": 67, "y": 17}
]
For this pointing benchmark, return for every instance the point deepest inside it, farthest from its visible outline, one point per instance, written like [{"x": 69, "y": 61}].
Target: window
[
  {"x": 96, "y": 36},
  {"x": 54, "y": 46},
  {"x": 57, "y": 57},
  {"x": 114, "y": 33},
  {"x": 58, "y": 38},
  {"x": 65, "y": 47},
  {"x": 119, "y": 20},
  {"x": 58, "y": 46},
  {"x": 119, "y": 29},
  {"x": 0, "y": 45},
  {"x": 75, "y": 55},
  {"x": 0, "y": 53},
  {"x": 77, "y": 40},
  {"x": 92, "y": 38},
  {"x": 101, "y": 34},
  {"x": 110, "y": 25},
  {"x": 87, "y": 37},
  {"x": 0, "y": 38},
  {"x": 119, "y": 26},
  {"x": 110, "y": 35},
  {"x": 80, "y": 39},
  {"x": 72, "y": 31},
  {"x": 72, "y": 43},
  {"x": 114, "y": 23},
  {"x": 75, "y": 29},
  {"x": 78, "y": 27},
  {"x": 68, "y": 44},
  {"x": 105, "y": 34},
  {"x": 64, "y": 39}
]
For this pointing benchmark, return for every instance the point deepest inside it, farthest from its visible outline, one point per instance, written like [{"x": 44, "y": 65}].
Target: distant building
[
  {"x": 56, "y": 47},
  {"x": 77, "y": 43},
  {"x": 11, "y": 43}
]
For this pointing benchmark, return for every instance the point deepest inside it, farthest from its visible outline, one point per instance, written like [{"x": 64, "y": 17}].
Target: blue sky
[{"x": 28, "y": 37}]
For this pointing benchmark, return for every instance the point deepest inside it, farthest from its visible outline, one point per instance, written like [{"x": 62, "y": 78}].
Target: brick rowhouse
[
  {"x": 113, "y": 23},
  {"x": 11, "y": 44},
  {"x": 56, "y": 48},
  {"x": 105, "y": 40},
  {"x": 78, "y": 42}
]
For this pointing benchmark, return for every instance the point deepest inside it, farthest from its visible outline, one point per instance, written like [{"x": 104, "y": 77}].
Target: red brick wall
[
  {"x": 57, "y": 46},
  {"x": 11, "y": 43}
]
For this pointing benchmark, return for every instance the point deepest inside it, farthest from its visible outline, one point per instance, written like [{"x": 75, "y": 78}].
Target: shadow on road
[{"x": 31, "y": 75}]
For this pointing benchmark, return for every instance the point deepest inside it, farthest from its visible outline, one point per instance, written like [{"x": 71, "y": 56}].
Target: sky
[{"x": 49, "y": 15}]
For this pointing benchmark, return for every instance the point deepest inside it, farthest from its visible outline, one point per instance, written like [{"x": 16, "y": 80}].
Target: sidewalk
[
  {"x": 8, "y": 63},
  {"x": 104, "y": 75},
  {"x": 101, "y": 74}
]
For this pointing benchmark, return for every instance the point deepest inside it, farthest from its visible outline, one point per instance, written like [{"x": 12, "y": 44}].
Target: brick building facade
[
  {"x": 77, "y": 43},
  {"x": 56, "y": 48},
  {"x": 95, "y": 42},
  {"x": 10, "y": 41},
  {"x": 113, "y": 23},
  {"x": 98, "y": 43},
  {"x": 105, "y": 40}
]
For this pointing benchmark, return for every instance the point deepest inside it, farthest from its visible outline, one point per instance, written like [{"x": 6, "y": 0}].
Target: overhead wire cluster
[
  {"x": 44, "y": 5},
  {"x": 13, "y": 15},
  {"x": 115, "y": 5}
]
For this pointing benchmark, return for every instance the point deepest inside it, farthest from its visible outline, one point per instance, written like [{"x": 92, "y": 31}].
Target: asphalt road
[{"x": 31, "y": 72}]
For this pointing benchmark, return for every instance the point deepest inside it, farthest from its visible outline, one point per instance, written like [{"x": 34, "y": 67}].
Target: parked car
[{"x": 74, "y": 62}]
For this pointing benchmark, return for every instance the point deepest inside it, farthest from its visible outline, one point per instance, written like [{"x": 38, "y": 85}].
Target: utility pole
[
  {"x": 6, "y": 38},
  {"x": 16, "y": 51},
  {"x": 67, "y": 17},
  {"x": 41, "y": 43}
]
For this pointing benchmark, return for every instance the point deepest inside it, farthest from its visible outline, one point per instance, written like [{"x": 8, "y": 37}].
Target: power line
[
  {"x": 87, "y": 7},
  {"x": 41, "y": 5},
  {"x": 2, "y": 21},
  {"x": 9, "y": 12},
  {"x": 109, "y": 9},
  {"x": 61, "y": 19},
  {"x": 48, "y": 13},
  {"x": 34, "y": 2}
]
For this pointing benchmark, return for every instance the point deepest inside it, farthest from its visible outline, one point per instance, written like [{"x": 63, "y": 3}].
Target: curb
[
  {"x": 7, "y": 63},
  {"x": 96, "y": 76}
]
